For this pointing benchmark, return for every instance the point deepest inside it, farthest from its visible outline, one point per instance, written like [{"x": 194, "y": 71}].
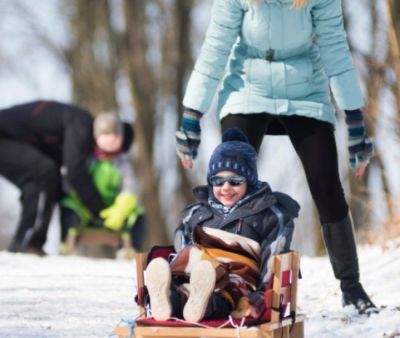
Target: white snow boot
[
  {"x": 158, "y": 283},
  {"x": 202, "y": 284}
]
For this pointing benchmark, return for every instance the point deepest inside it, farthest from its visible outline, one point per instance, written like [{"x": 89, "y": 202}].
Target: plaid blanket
[{"x": 235, "y": 258}]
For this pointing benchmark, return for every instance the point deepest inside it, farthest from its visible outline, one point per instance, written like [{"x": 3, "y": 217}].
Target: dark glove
[
  {"x": 188, "y": 136},
  {"x": 360, "y": 145}
]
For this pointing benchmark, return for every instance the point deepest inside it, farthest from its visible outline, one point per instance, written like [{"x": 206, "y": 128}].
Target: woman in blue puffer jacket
[{"x": 284, "y": 59}]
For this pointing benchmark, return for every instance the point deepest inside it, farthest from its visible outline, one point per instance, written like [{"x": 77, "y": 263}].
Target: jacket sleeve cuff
[
  {"x": 200, "y": 92},
  {"x": 346, "y": 90}
]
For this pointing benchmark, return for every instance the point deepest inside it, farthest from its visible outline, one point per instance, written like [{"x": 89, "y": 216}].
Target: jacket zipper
[{"x": 239, "y": 227}]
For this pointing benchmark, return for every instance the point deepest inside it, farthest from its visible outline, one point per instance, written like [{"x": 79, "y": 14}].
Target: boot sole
[
  {"x": 202, "y": 284},
  {"x": 158, "y": 283}
]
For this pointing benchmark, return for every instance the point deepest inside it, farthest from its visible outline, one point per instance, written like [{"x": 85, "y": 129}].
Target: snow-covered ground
[{"x": 83, "y": 297}]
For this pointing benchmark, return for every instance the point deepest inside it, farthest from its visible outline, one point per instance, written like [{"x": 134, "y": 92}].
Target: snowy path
[
  {"x": 63, "y": 296},
  {"x": 319, "y": 297},
  {"x": 83, "y": 297}
]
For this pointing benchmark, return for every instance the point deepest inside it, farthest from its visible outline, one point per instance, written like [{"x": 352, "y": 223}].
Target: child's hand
[
  {"x": 115, "y": 215},
  {"x": 112, "y": 218}
]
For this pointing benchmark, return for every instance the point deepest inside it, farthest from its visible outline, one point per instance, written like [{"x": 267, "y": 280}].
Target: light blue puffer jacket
[{"x": 281, "y": 60}]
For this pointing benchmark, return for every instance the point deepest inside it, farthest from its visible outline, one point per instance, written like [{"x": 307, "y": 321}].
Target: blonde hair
[
  {"x": 299, "y": 3},
  {"x": 295, "y": 4},
  {"x": 107, "y": 123}
]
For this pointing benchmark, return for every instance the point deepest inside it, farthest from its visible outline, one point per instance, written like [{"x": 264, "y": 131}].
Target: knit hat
[
  {"x": 234, "y": 154},
  {"x": 107, "y": 123}
]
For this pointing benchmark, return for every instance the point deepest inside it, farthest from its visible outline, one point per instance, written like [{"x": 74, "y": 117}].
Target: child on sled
[{"x": 224, "y": 243}]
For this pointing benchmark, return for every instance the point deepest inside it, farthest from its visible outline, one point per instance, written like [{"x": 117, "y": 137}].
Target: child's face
[
  {"x": 228, "y": 194},
  {"x": 109, "y": 143}
]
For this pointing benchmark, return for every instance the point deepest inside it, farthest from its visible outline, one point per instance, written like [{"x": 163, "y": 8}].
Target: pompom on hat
[{"x": 235, "y": 154}]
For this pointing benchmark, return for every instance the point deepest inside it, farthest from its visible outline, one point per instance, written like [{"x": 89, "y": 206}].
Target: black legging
[{"x": 314, "y": 142}]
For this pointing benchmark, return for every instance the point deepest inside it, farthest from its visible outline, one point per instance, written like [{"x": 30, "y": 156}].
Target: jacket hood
[{"x": 288, "y": 202}]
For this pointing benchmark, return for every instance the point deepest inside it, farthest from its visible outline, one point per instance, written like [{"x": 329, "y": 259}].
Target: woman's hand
[
  {"x": 188, "y": 137},
  {"x": 360, "y": 171},
  {"x": 360, "y": 145},
  {"x": 187, "y": 163}
]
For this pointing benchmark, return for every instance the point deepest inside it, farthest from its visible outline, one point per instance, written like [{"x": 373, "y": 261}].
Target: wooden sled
[
  {"x": 285, "y": 269},
  {"x": 95, "y": 242}
]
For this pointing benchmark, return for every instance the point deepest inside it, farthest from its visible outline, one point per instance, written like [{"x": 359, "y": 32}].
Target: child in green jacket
[{"x": 113, "y": 178}]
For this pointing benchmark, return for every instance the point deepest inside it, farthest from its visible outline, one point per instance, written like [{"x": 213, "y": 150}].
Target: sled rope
[
  {"x": 238, "y": 327},
  {"x": 229, "y": 321},
  {"x": 130, "y": 323},
  {"x": 201, "y": 325}
]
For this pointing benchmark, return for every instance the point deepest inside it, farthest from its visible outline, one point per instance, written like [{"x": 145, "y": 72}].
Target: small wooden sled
[
  {"x": 284, "y": 321},
  {"x": 95, "y": 242}
]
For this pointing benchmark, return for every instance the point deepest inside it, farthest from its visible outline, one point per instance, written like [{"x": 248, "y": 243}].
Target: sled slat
[
  {"x": 267, "y": 330},
  {"x": 189, "y": 332},
  {"x": 140, "y": 267},
  {"x": 93, "y": 237}
]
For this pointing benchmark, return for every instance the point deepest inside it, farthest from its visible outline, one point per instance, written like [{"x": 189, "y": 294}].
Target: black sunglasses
[{"x": 219, "y": 181}]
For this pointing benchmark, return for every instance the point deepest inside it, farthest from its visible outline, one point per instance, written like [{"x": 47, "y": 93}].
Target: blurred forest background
[{"x": 135, "y": 56}]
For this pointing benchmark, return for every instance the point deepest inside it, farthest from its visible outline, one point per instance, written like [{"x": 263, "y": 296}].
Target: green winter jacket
[
  {"x": 107, "y": 179},
  {"x": 281, "y": 60}
]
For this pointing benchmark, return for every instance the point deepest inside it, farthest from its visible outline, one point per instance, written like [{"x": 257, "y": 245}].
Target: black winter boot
[
  {"x": 358, "y": 297},
  {"x": 341, "y": 246}
]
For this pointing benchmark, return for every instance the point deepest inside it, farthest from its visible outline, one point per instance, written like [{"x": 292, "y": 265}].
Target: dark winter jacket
[
  {"x": 62, "y": 132},
  {"x": 263, "y": 217}
]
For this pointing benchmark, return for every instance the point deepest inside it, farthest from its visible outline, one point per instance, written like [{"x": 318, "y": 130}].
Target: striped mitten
[
  {"x": 360, "y": 145},
  {"x": 188, "y": 136}
]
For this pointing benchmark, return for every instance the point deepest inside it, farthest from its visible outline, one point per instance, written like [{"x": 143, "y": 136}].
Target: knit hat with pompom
[{"x": 234, "y": 154}]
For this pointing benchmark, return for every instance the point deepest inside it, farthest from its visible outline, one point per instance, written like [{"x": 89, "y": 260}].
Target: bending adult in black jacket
[{"x": 37, "y": 139}]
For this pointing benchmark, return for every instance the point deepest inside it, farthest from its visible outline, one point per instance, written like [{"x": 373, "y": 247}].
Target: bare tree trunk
[
  {"x": 393, "y": 8},
  {"x": 92, "y": 67},
  {"x": 394, "y": 41},
  {"x": 183, "y": 64},
  {"x": 144, "y": 92}
]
